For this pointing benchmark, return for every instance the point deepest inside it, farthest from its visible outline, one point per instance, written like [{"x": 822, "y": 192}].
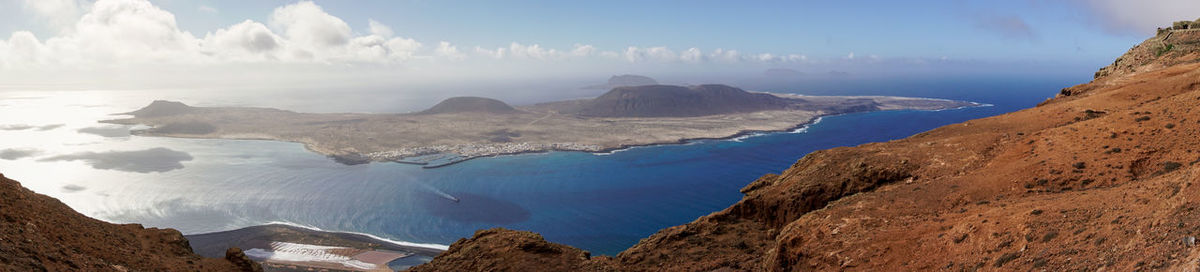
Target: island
[
  {"x": 463, "y": 128},
  {"x": 624, "y": 81}
]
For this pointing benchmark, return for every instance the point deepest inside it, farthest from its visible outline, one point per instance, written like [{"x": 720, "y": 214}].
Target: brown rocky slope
[
  {"x": 39, "y": 233},
  {"x": 1099, "y": 178}
]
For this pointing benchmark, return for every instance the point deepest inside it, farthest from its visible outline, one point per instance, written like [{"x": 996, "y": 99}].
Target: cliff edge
[
  {"x": 39, "y": 233},
  {"x": 1099, "y": 178}
]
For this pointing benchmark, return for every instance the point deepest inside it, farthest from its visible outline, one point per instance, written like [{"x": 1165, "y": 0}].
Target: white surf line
[{"x": 395, "y": 242}]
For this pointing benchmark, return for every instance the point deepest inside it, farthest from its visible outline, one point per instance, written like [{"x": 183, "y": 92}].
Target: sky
[{"x": 124, "y": 43}]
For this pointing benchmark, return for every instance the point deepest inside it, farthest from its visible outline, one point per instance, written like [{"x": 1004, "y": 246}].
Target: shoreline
[
  {"x": 334, "y": 145},
  {"x": 427, "y": 249},
  {"x": 430, "y": 246}
]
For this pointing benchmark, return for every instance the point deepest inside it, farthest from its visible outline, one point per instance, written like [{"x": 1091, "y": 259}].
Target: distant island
[
  {"x": 462, "y": 128},
  {"x": 625, "y": 81}
]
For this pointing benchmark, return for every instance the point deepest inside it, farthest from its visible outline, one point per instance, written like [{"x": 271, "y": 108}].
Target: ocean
[{"x": 602, "y": 203}]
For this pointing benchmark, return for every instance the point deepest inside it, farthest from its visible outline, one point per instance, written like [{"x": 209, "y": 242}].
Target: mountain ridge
[{"x": 679, "y": 101}]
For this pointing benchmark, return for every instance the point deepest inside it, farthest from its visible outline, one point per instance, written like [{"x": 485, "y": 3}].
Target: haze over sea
[{"x": 598, "y": 202}]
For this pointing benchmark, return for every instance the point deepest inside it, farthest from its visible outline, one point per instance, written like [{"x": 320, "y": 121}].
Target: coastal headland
[{"x": 462, "y": 128}]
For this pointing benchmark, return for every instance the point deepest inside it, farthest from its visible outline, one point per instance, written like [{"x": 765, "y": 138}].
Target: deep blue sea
[{"x": 598, "y": 202}]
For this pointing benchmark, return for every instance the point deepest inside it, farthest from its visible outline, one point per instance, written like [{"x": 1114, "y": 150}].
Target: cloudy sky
[{"x": 164, "y": 42}]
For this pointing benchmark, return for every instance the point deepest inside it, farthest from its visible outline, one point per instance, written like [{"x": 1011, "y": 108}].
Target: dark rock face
[
  {"x": 239, "y": 259},
  {"x": 39, "y": 233},
  {"x": 679, "y": 101},
  {"x": 350, "y": 159},
  {"x": 160, "y": 108},
  {"x": 470, "y": 104},
  {"x": 500, "y": 249},
  {"x": 630, "y": 80}
]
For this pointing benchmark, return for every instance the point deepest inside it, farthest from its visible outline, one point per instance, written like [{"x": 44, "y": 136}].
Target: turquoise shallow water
[{"x": 599, "y": 202}]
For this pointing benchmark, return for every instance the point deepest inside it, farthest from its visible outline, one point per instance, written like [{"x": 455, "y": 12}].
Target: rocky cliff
[
  {"x": 39, "y": 233},
  {"x": 1099, "y": 178}
]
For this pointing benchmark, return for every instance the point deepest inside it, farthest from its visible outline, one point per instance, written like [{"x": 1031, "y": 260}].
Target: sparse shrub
[
  {"x": 1039, "y": 262},
  {"x": 1171, "y": 166},
  {"x": 1170, "y": 125},
  {"x": 1143, "y": 118},
  {"x": 1079, "y": 165},
  {"x": 1164, "y": 50},
  {"x": 960, "y": 238},
  {"x": 1004, "y": 244},
  {"x": 1049, "y": 236},
  {"x": 1006, "y": 258},
  {"x": 1036, "y": 212},
  {"x": 1180, "y": 25}
]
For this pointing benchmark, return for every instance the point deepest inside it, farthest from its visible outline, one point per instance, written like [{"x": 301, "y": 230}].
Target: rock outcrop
[
  {"x": 679, "y": 101},
  {"x": 39, "y": 233},
  {"x": 1102, "y": 177},
  {"x": 1165, "y": 49},
  {"x": 508, "y": 250}
]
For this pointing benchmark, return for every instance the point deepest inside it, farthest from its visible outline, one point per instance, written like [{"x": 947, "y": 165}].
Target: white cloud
[
  {"x": 634, "y": 54},
  {"x": 692, "y": 55},
  {"x": 116, "y": 31},
  {"x": 246, "y": 40},
  {"x": 1141, "y": 17},
  {"x": 59, "y": 13},
  {"x": 729, "y": 56},
  {"x": 307, "y": 26},
  {"x": 136, "y": 34},
  {"x": 661, "y": 54},
  {"x": 610, "y": 54},
  {"x": 379, "y": 29},
  {"x": 448, "y": 51},
  {"x": 498, "y": 53},
  {"x": 796, "y": 58},
  {"x": 766, "y": 57},
  {"x": 583, "y": 50},
  {"x": 535, "y": 51},
  {"x": 21, "y": 48}
]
